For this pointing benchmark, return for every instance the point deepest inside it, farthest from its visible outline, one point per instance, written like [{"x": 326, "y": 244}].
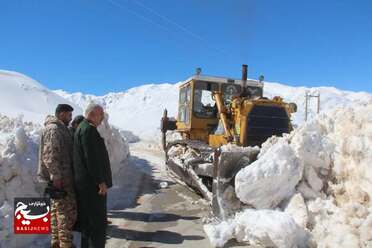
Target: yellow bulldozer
[{"x": 222, "y": 123}]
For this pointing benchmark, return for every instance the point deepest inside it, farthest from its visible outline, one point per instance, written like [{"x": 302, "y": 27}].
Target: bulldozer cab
[{"x": 197, "y": 109}]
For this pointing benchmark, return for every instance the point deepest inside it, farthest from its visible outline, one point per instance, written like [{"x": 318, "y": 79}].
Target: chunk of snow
[
  {"x": 298, "y": 210},
  {"x": 265, "y": 228},
  {"x": 270, "y": 179}
]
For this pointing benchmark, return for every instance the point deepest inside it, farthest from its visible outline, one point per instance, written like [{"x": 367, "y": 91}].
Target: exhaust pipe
[
  {"x": 244, "y": 73},
  {"x": 244, "y": 80}
]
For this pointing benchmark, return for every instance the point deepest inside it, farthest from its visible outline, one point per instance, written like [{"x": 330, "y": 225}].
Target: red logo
[{"x": 31, "y": 216}]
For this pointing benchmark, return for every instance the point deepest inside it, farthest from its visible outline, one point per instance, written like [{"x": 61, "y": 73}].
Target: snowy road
[{"x": 145, "y": 215}]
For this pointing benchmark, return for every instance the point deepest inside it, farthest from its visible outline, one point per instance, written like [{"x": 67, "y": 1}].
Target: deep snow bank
[
  {"x": 320, "y": 175},
  {"x": 18, "y": 166}
]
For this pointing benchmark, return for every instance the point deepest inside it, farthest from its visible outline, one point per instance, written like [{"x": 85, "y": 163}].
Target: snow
[
  {"x": 276, "y": 177},
  {"x": 21, "y": 95},
  {"x": 329, "y": 194},
  {"x": 330, "y": 98},
  {"x": 259, "y": 228},
  {"x": 138, "y": 110},
  {"x": 297, "y": 209},
  {"x": 366, "y": 232},
  {"x": 18, "y": 166}
]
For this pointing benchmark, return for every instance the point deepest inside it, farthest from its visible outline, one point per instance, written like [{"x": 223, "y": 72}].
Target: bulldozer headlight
[{"x": 292, "y": 107}]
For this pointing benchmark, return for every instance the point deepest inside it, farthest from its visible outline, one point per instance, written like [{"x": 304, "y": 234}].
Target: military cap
[{"x": 63, "y": 108}]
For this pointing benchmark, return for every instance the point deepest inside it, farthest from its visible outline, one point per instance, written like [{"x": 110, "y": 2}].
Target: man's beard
[{"x": 66, "y": 123}]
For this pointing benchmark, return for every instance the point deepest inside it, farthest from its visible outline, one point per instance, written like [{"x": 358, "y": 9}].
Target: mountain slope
[
  {"x": 21, "y": 95},
  {"x": 138, "y": 110}
]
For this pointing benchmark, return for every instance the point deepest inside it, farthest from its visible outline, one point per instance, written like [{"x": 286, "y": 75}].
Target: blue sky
[{"x": 98, "y": 46}]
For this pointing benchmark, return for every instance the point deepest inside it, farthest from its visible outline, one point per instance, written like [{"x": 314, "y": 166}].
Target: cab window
[
  {"x": 204, "y": 105},
  {"x": 184, "y": 103},
  {"x": 229, "y": 91}
]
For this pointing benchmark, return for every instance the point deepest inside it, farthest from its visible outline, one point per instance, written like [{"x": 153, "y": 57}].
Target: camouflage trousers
[{"x": 63, "y": 218}]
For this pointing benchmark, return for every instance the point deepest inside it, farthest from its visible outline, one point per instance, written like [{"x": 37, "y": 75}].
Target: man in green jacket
[{"x": 92, "y": 178}]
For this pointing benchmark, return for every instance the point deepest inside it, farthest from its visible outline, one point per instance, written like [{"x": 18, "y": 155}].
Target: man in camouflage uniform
[{"x": 55, "y": 165}]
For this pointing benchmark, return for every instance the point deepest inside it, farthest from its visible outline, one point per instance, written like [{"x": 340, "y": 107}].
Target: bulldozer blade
[{"x": 227, "y": 163}]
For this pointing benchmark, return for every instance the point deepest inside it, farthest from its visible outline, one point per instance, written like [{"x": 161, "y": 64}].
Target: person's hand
[
  {"x": 57, "y": 183},
  {"x": 102, "y": 189}
]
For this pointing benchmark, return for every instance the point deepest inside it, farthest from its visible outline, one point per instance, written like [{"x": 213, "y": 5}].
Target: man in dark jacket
[{"x": 92, "y": 178}]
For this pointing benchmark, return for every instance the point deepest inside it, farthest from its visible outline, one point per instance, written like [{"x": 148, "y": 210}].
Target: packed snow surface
[{"x": 320, "y": 175}]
